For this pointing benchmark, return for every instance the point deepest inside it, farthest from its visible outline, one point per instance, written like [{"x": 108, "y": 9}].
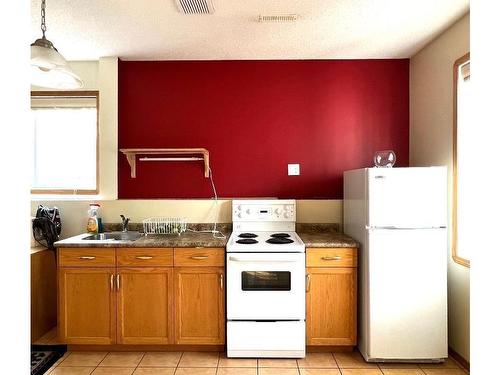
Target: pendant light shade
[{"x": 48, "y": 67}]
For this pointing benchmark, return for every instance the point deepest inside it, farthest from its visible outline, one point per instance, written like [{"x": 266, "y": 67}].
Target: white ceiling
[{"x": 326, "y": 29}]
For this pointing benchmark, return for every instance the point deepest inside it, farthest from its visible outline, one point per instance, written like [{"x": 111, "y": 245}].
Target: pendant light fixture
[{"x": 48, "y": 67}]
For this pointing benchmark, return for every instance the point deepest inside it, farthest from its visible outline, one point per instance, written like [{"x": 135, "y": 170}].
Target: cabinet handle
[
  {"x": 335, "y": 257},
  {"x": 199, "y": 257},
  {"x": 112, "y": 281},
  {"x": 118, "y": 282},
  {"x": 87, "y": 257},
  {"x": 221, "y": 279},
  {"x": 308, "y": 282},
  {"x": 144, "y": 257}
]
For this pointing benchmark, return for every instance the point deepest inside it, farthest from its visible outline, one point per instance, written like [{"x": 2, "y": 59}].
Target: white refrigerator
[{"x": 399, "y": 217}]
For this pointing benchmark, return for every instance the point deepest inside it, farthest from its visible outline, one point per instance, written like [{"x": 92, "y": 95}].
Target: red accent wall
[{"x": 255, "y": 117}]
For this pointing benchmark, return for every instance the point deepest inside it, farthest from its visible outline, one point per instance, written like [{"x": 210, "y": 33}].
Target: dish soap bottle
[{"x": 93, "y": 221}]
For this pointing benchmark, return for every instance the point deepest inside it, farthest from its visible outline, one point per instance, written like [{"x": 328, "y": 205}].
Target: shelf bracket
[{"x": 131, "y": 162}]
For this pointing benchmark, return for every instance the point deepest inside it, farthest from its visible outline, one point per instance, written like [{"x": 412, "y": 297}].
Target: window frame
[
  {"x": 79, "y": 94},
  {"x": 454, "y": 242}
]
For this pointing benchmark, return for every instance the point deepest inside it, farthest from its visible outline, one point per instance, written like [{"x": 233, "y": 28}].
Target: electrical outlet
[{"x": 294, "y": 169}]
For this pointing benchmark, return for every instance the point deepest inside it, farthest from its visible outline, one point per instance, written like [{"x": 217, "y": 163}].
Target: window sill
[{"x": 65, "y": 197}]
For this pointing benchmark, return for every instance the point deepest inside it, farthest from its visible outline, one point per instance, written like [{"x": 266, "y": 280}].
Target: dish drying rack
[{"x": 164, "y": 225}]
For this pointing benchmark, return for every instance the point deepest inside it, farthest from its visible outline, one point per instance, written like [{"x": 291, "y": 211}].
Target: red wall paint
[{"x": 255, "y": 117}]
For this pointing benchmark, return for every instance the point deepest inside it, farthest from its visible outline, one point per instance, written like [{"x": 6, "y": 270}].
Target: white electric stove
[{"x": 265, "y": 261}]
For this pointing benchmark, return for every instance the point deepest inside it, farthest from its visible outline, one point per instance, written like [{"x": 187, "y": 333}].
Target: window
[
  {"x": 463, "y": 164},
  {"x": 65, "y": 142}
]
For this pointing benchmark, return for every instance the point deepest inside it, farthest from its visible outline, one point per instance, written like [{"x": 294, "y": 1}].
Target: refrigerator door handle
[{"x": 402, "y": 228}]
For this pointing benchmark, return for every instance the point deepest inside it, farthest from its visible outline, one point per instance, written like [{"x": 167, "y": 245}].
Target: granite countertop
[
  {"x": 313, "y": 235},
  {"x": 186, "y": 239},
  {"x": 324, "y": 235},
  {"x": 197, "y": 235}
]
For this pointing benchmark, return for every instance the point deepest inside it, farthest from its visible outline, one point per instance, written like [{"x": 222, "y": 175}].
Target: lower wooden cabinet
[
  {"x": 128, "y": 303},
  {"x": 145, "y": 305},
  {"x": 87, "y": 306},
  {"x": 199, "y": 305},
  {"x": 43, "y": 293},
  {"x": 331, "y": 306}
]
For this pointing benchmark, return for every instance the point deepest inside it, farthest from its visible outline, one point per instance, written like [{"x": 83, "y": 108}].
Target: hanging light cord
[
  {"x": 215, "y": 233},
  {"x": 43, "y": 26}
]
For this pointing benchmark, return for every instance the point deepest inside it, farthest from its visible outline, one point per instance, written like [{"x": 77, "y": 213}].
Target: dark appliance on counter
[{"x": 47, "y": 226}]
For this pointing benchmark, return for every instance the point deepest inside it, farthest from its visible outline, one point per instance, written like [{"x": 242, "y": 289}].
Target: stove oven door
[{"x": 265, "y": 286}]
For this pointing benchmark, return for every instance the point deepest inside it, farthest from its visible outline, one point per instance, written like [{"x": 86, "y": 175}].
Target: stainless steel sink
[{"x": 116, "y": 236}]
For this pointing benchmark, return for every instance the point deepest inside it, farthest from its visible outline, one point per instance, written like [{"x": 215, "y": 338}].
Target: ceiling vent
[
  {"x": 195, "y": 6},
  {"x": 278, "y": 17}
]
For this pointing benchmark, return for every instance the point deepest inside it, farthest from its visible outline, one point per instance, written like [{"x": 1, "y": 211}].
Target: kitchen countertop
[
  {"x": 313, "y": 235},
  {"x": 320, "y": 235},
  {"x": 186, "y": 239}
]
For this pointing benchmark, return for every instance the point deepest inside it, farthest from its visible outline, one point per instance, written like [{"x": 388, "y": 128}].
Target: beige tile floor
[{"x": 212, "y": 363}]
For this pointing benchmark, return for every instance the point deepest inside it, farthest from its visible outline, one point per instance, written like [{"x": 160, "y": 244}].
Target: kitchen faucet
[{"x": 125, "y": 221}]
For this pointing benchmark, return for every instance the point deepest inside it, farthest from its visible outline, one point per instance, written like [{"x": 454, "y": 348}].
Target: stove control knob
[
  {"x": 248, "y": 211},
  {"x": 278, "y": 211},
  {"x": 238, "y": 207},
  {"x": 239, "y": 215},
  {"x": 286, "y": 215}
]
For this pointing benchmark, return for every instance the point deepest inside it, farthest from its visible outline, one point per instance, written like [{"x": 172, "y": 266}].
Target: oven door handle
[{"x": 235, "y": 259}]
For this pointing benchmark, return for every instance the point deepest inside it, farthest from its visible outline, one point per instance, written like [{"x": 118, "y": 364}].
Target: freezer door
[
  {"x": 407, "y": 317},
  {"x": 407, "y": 197}
]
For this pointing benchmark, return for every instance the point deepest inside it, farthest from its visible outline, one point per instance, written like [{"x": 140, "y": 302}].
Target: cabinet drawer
[
  {"x": 332, "y": 257},
  {"x": 145, "y": 256},
  {"x": 86, "y": 257},
  {"x": 203, "y": 257}
]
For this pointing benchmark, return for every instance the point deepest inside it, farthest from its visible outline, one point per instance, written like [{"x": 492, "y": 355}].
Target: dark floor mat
[{"x": 44, "y": 356}]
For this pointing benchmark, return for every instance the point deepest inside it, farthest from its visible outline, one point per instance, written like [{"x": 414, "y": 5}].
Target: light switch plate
[{"x": 294, "y": 169}]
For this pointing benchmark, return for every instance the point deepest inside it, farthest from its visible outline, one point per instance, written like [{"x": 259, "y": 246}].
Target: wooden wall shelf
[{"x": 168, "y": 155}]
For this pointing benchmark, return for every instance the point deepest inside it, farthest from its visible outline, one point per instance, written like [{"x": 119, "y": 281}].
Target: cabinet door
[
  {"x": 43, "y": 293},
  {"x": 199, "y": 305},
  {"x": 87, "y": 306},
  {"x": 331, "y": 306},
  {"x": 145, "y": 311}
]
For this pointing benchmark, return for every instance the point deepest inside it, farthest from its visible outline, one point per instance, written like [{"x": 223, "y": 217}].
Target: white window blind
[{"x": 65, "y": 144}]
